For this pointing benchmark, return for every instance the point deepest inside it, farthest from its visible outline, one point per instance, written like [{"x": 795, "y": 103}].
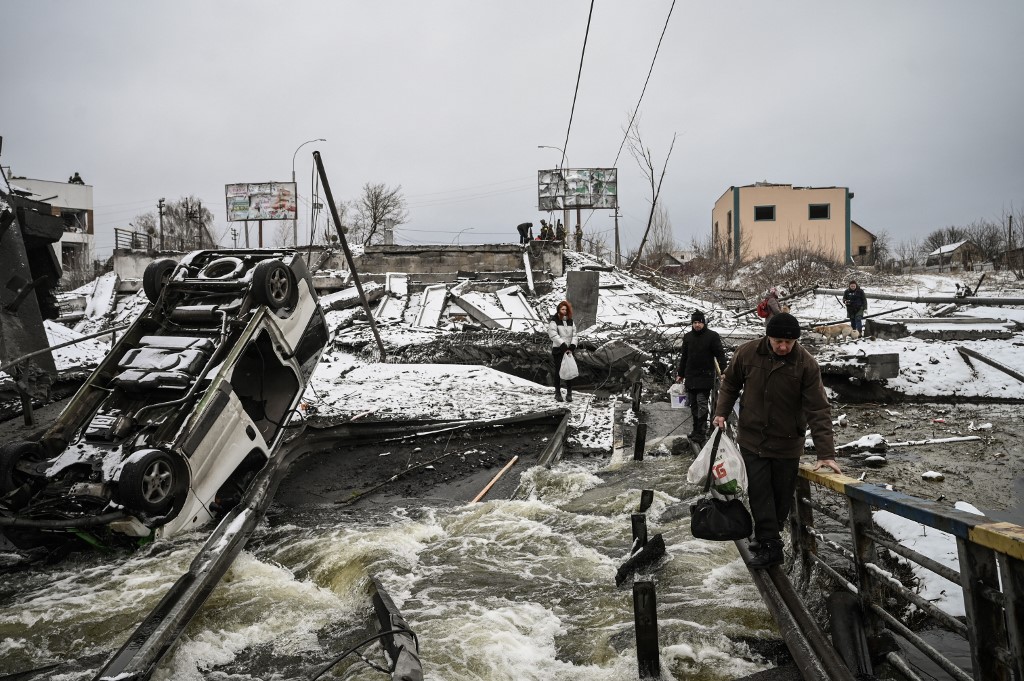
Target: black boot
[
  {"x": 769, "y": 553},
  {"x": 558, "y": 394},
  {"x": 568, "y": 392}
]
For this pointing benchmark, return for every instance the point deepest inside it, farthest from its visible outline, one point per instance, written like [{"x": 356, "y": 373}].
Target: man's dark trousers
[
  {"x": 770, "y": 487},
  {"x": 698, "y": 400}
]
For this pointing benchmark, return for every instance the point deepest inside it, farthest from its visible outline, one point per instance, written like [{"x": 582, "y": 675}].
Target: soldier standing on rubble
[
  {"x": 782, "y": 395},
  {"x": 562, "y": 332},
  {"x": 701, "y": 348}
]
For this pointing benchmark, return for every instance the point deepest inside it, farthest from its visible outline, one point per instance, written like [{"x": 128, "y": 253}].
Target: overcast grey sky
[{"x": 916, "y": 106}]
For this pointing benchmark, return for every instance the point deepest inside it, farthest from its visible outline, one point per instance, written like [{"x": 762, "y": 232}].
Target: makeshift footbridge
[{"x": 876, "y": 622}]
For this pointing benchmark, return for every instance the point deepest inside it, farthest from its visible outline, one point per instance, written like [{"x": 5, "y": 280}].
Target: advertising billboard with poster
[
  {"x": 261, "y": 201},
  {"x": 577, "y": 188}
]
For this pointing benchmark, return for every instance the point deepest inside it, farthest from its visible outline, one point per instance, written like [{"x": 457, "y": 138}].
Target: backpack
[{"x": 763, "y": 310}]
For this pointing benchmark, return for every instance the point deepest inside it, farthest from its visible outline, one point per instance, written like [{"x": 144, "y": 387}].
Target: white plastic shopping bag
[
  {"x": 677, "y": 395},
  {"x": 730, "y": 475},
  {"x": 568, "y": 370}
]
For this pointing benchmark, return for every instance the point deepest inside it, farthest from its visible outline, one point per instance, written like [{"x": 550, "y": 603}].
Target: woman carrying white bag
[{"x": 562, "y": 332}]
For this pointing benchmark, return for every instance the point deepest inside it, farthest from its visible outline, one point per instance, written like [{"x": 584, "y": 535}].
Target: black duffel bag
[{"x": 716, "y": 519}]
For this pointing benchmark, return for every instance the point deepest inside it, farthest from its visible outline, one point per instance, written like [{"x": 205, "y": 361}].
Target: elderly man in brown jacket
[{"x": 782, "y": 394}]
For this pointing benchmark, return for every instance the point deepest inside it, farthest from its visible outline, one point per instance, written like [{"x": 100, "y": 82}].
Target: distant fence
[{"x": 132, "y": 241}]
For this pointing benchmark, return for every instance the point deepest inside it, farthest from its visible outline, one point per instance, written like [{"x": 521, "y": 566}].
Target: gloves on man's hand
[
  {"x": 563, "y": 346},
  {"x": 573, "y": 347}
]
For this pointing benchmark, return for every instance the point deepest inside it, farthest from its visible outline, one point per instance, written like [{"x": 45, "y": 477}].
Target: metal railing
[
  {"x": 133, "y": 241},
  {"x": 991, "y": 570}
]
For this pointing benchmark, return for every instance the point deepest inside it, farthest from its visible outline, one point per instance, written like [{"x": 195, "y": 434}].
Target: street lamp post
[
  {"x": 565, "y": 210},
  {"x": 295, "y": 222},
  {"x": 458, "y": 237}
]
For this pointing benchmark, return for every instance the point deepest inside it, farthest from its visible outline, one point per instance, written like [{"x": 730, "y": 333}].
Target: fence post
[
  {"x": 802, "y": 519},
  {"x": 985, "y": 624},
  {"x": 645, "y": 618},
  {"x": 1011, "y": 571},
  {"x": 864, "y": 552},
  {"x": 639, "y": 526},
  {"x": 646, "y": 499},
  {"x": 641, "y": 441}
]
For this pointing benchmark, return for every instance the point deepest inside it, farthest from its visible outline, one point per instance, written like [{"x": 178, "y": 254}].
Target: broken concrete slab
[
  {"x": 938, "y": 329},
  {"x": 349, "y": 297},
  {"x": 865, "y": 367}
]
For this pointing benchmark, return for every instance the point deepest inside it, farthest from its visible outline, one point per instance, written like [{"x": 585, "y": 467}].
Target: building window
[
  {"x": 764, "y": 213},
  {"x": 862, "y": 250},
  {"x": 818, "y": 211}
]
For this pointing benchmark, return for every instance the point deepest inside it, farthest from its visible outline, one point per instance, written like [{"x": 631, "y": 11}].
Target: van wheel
[
  {"x": 151, "y": 480},
  {"x": 273, "y": 285},
  {"x": 156, "y": 276},
  {"x": 11, "y": 477}
]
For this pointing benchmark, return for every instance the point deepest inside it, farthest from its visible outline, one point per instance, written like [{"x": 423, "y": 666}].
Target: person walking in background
[
  {"x": 702, "y": 347},
  {"x": 772, "y": 304},
  {"x": 562, "y": 332},
  {"x": 525, "y": 230},
  {"x": 782, "y": 394},
  {"x": 856, "y": 304}
]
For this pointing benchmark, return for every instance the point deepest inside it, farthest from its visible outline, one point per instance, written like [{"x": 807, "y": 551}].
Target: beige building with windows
[{"x": 763, "y": 218}]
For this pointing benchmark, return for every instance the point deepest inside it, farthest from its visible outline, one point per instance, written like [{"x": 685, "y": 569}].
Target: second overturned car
[{"x": 189, "y": 404}]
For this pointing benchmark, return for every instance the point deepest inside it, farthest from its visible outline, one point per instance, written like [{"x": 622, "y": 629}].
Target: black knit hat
[
  {"x": 698, "y": 316},
  {"x": 783, "y": 325}
]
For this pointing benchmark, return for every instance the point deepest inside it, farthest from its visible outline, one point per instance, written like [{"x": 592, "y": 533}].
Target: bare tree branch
[{"x": 645, "y": 161}]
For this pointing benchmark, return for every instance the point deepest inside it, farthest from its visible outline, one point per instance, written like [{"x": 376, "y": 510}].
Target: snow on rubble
[{"x": 627, "y": 305}]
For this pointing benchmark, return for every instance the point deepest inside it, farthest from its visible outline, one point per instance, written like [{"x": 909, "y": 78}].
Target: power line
[
  {"x": 579, "y": 76},
  {"x": 649, "y": 72}
]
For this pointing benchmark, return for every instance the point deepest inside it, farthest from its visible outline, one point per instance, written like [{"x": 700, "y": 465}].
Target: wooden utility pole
[{"x": 618, "y": 254}]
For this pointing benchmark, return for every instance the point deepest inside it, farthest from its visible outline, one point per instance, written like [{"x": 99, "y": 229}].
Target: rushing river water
[{"x": 504, "y": 589}]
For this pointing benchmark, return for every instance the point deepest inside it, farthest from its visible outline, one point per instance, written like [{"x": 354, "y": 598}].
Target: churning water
[{"x": 521, "y": 589}]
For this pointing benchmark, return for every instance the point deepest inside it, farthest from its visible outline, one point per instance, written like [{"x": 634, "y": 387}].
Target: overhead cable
[
  {"x": 649, "y": 72},
  {"x": 578, "y": 77}
]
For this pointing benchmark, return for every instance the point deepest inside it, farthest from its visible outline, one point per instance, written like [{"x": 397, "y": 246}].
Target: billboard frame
[
  {"x": 565, "y": 188},
  {"x": 250, "y": 201}
]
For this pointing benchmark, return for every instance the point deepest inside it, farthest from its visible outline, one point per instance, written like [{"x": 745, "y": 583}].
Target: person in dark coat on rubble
[
  {"x": 856, "y": 304},
  {"x": 697, "y": 370},
  {"x": 562, "y": 332},
  {"x": 525, "y": 230},
  {"x": 781, "y": 395}
]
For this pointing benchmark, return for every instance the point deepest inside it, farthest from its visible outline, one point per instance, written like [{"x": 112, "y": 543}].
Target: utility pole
[
  {"x": 234, "y": 238},
  {"x": 160, "y": 210},
  {"x": 618, "y": 254}
]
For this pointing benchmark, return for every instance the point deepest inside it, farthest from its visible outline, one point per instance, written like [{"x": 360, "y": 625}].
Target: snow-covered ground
[{"x": 345, "y": 386}]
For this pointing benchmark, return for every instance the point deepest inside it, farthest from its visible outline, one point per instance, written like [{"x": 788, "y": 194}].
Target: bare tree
[
  {"x": 661, "y": 240},
  {"x": 945, "y": 236},
  {"x": 645, "y": 160},
  {"x": 882, "y": 248},
  {"x": 187, "y": 225},
  {"x": 989, "y": 237},
  {"x": 908, "y": 252},
  {"x": 377, "y": 205}
]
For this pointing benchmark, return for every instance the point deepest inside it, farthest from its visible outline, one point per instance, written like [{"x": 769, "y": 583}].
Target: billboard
[
  {"x": 261, "y": 201},
  {"x": 577, "y": 188}
]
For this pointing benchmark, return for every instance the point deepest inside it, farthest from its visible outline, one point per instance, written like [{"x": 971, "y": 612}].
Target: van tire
[
  {"x": 152, "y": 482},
  {"x": 10, "y": 456},
  {"x": 156, "y": 276},
  {"x": 273, "y": 285}
]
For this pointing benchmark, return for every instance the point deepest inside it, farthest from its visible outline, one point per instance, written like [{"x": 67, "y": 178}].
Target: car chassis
[{"x": 189, "y": 404}]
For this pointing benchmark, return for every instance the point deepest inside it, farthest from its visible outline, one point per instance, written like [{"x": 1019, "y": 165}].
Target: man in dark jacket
[
  {"x": 701, "y": 348},
  {"x": 856, "y": 304},
  {"x": 525, "y": 230},
  {"x": 782, "y": 394}
]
